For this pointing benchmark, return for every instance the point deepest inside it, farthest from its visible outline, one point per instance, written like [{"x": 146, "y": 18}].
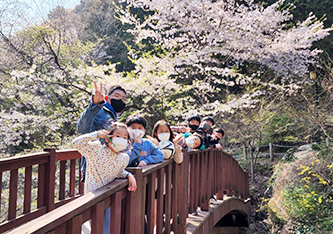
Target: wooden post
[
  {"x": 271, "y": 156},
  {"x": 244, "y": 151}
]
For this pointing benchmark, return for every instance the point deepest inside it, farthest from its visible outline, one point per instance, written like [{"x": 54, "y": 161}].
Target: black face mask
[
  {"x": 193, "y": 127},
  {"x": 118, "y": 105}
]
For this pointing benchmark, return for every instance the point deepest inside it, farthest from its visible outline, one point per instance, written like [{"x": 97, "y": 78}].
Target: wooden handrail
[
  {"x": 167, "y": 193},
  {"x": 39, "y": 171}
]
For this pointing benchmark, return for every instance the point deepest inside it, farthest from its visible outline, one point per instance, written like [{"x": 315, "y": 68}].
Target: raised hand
[
  {"x": 177, "y": 139},
  {"x": 98, "y": 95},
  {"x": 137, "y": 138},
  {"x": 152, "y": 139}
]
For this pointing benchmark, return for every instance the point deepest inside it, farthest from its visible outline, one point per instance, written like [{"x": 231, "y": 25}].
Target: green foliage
[
  {"x": 289, "y": 155},
  {"x": 302, "y": 194},
  {"x": 315, "y": 147},
  {"x": 99, "y": 18},
  {"x": 48, "y": 83},
  {"x": 280, "y": 130}
]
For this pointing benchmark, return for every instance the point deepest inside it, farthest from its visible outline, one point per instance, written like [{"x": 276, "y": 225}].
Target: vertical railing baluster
[
  {"x": 41, "y": 186},
  {"x": 160, "y": 202},
  {"x": 81, "y": 184},
  {"x": 97, "y": 218},
  {"x": 50, "y": 180},
  {"x": 27, "y": 189},
  {"x": 13, "y": 194},
  {"x": 62, "y": 180},
  {"x": 134, "y": 212},
  {"x": 191, "y": 196},
  {"x": 168, "y": 198},
  {"x": 115, "y": 213},
  {"x": 219, "y": 175},
  {"x": 151, "y": 202},
  {"x": 74, "y": 225},
  {"x": 175, "y": 188},
  {"x": 72, "y": 178},
  {"x": 204, "y": 182},
  {"x": 186, "y": 184}
]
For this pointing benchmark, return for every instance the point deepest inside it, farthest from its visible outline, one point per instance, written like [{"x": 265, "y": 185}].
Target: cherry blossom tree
[
  {"x": 214, "y": 44},
  {"x": 199, "y": 31},
  {"x": 207, "y": 58},
  {"x": 38, "y": 91}
]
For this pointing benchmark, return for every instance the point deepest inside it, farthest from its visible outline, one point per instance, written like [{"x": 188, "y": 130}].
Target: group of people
[{"x": 108, "y": 146}]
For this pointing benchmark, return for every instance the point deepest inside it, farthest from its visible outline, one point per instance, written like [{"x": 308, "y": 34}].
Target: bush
[
  {"x": 289, "y": 155},
  {"x": 303, "y": 195}
]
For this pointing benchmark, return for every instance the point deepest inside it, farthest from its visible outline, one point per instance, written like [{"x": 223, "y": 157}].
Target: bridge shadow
[{"x": 229, "y": 212}]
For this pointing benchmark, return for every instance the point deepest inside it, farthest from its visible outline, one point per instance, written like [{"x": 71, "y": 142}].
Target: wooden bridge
[{"x": 53, "y": 201}]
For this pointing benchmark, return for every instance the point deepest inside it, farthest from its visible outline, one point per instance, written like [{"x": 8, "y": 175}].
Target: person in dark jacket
[
  {"x": 101, "y": 113},
  {"x": 212, "y": 141}
]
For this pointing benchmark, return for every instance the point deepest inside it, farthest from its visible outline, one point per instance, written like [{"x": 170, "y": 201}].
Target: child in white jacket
[{"x": 105, "y": 162}]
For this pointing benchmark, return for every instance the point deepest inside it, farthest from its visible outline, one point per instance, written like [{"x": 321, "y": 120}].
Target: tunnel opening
[{"x": 234, "y": 218}]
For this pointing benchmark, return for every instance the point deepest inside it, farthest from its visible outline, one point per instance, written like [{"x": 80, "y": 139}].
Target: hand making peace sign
[{"x": 98, "y": 95}]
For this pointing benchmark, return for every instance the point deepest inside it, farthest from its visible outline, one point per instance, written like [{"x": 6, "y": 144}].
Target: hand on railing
[
  {"x": 218, "y": 146},
  {"x": 131, "y": 183}
]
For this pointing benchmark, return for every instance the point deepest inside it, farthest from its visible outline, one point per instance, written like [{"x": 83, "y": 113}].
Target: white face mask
[
  {"x": 119, "y": 144},
  {"x": 163, "y": 136},
  {"x": 189, "y": 142},
  {"x": 137, "y": 132}
]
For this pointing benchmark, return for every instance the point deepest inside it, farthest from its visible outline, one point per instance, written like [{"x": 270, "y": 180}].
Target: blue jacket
[
  {"x": 95, "y": 117},
  {"x": 147, "y": 152}
]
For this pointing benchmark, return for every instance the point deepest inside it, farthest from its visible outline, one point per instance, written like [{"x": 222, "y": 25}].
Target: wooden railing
[
  {"x": 166, "y": 193},
  {"x": 40, "y": 169}
]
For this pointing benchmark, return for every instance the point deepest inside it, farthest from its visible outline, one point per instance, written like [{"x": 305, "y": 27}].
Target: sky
[
  {"x": 40, "y": 8},
  {"x": 18, "y": 14}
]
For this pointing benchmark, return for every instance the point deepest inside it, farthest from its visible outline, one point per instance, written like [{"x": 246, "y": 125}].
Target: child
[
  {"x": 205, "y": 126},
  {"x": 212, "y": 141},
  {"x": 190, "y": 141},
  {"x": 193, "y": 122},
  {"x": 143, "y": 151},
  {"x": 162, "y": 132},
  {"x": 105, "y": 162}
]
